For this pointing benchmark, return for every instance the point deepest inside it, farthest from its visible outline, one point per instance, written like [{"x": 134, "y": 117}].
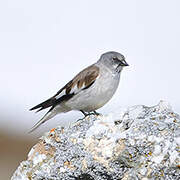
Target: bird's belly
[{"x": 96, "y": 96}]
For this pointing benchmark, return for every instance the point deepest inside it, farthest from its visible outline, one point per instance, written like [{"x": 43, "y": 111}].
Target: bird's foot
[
  {"x": 85, "y": 114},
  {"x": 90, "y": 113},
  {"x": 96, "y": 113}
]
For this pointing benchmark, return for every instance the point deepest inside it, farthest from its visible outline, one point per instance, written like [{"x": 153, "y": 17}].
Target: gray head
[{"x": 113, "y": 60}]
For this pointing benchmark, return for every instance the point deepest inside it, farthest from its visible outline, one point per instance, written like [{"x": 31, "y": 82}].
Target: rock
[{"x": 138, "y": 142}]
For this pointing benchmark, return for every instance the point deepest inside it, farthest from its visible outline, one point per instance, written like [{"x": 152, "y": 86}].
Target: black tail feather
[
  {"x": 43, "y": 105},
  {"x": 42, "y": 120}
]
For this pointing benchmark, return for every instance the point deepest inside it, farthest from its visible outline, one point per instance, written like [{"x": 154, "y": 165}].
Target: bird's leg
[
  {"x": 85, "y": 114},
  {"x": 96, "y": 113},
  {"x": 90, "y": 113}
]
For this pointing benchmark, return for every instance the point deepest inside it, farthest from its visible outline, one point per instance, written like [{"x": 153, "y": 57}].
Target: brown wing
[{"x": 80, "y": 82}]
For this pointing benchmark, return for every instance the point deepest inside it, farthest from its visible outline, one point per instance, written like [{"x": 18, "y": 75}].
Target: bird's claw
[
  {"x": 90, "y": 113},
  {"x": 96, "y": 113}
]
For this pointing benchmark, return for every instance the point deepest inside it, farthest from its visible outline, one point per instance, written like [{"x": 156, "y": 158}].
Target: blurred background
[{"x": 43, "y": 44}]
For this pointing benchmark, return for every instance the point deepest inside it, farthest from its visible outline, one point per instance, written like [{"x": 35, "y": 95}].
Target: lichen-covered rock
[{"x": 135, "y": 143}]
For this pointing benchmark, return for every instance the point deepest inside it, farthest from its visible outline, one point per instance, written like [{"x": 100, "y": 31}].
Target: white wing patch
[
  {"x": 75, "y": 89},
  {"x": 61, "y": 94},
  {"x": 81, "y": 81}
]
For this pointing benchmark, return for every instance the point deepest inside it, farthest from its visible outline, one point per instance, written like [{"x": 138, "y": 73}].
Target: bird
[{"x": 88, "y": 91}]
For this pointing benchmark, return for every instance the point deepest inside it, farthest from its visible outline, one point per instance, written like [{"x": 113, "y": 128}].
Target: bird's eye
[{"x": 115, "y": 59}]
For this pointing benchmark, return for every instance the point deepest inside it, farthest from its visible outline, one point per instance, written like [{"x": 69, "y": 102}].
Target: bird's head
[{"x": 113, "y": 60}]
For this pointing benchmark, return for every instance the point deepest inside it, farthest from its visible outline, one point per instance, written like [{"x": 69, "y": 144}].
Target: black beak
[{"x": 123, "y": 63}]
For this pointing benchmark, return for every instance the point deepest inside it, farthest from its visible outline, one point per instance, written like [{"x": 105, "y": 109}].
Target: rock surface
[{"x": 138, "y": 142}]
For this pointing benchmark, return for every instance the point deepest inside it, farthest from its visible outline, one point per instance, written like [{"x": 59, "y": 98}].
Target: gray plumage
[{"x": 88, "y": 91}]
